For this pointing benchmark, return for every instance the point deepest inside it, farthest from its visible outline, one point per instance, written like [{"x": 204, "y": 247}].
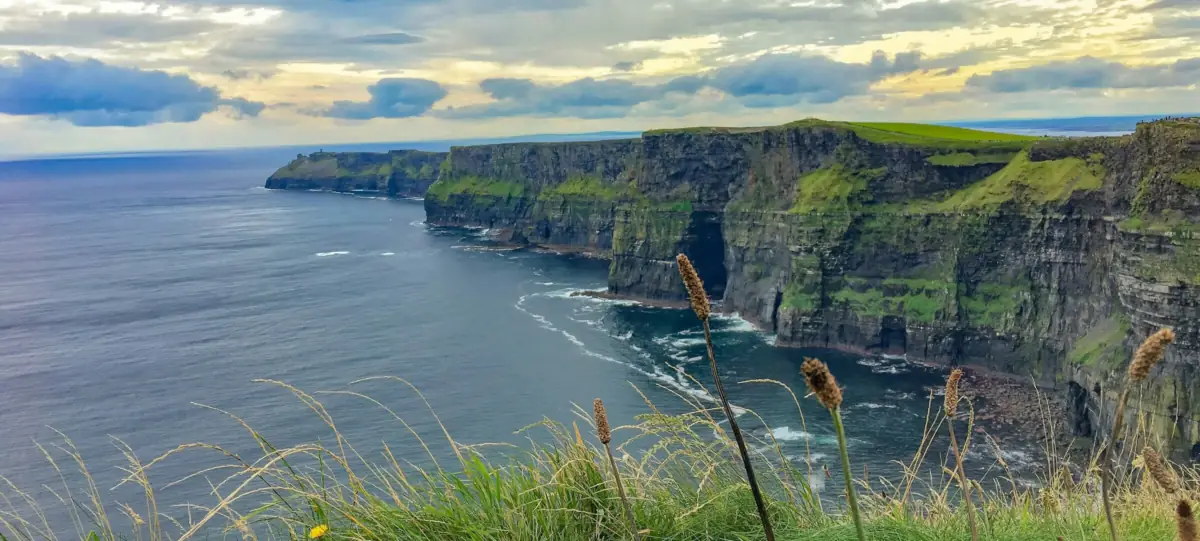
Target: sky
[{"x": 106, "y": 75}]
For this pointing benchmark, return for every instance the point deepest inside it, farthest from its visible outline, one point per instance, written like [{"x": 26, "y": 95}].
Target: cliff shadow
[{"x": 704, "y": 244}]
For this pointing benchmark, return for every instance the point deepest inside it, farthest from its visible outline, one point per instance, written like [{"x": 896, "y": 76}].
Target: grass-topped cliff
[
  {"x": 947, "y": 244},
  {"x": 399, "y": 173}
]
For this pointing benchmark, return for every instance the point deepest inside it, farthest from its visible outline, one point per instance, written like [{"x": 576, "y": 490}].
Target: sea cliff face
[
  {"x": 399, "y": 173},
  {"x": 1042, "y": 258}
]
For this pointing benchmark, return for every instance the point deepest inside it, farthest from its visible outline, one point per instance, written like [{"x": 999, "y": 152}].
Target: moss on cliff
[
  {"x": 472, "y": 185},
  {"x": 919, "y": 300},
  {"x": 588, "y": 187},
  {"x": 835, "y": 188},
  {"x": 1103, "y": 345},
  {"x": 964, "y": 159},
  {"x": 1024, "y": 181}
]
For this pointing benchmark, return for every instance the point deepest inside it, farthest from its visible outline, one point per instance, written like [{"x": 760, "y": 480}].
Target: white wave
[
  {"x": 569, "y": 293},
  {"x": 414, "y": 198},
  {"x": 327, "y": 254},
  {"x": 687, "y": 342},
  {"x": 624, "y": 337},
  {"x": 635, "y": 348},
  {"x": 868, "y": 361},
  {"x": 419, "y": 223},
  {"x": 811, "y": 459},
  {"x": 545, "y": 283},
  {"x": 874, "y": 406},
  {"x": 684, "y": 357},
  {"x": 678, "y": 382},
  {"x": 784, "y": 433},
  {"x": 388, "y": 253},
  {"x": 737, "y": 323},
  {"x": 890, "y": 370},
  {"x": 895, "y": 357},
  {"x": 588, "y": 322},
  {"x": 897, "y": 395}
]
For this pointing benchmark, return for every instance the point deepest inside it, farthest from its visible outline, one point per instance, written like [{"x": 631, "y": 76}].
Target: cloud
[
  {"x": 788, "y": 79},
  {"x": 582, "y": 98},
  {"x": 390, "y": 38},
  {"x": 627, "y": 66},
  {"x": 97, "y": 29},
  {"x": 391, "y": 98},
  {"x": 92, "y": 93},
  {"x": 1086, "y": 73},
  {"x": 768, "y": 81},
  {"x": 247, "y": 74}
]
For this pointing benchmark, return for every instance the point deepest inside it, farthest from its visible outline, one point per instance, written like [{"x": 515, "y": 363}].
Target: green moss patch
[
  {"x": 994, "y": 305},
  {"x": 472, "y": 185},
  {"x": 965, "y": 159},
  {"x": 1027, "y": 181},
  {"x": 918, "y": 300},
  {"x": 1191, "y": 178},
  {"x": 586, "y": 187},
  {"x": 1102, "y": 345},
  {"x": 833, "y": 188}
]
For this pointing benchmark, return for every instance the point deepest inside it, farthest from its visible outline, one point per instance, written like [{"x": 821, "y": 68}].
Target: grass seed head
[
  {"x": 1160, "y": 471},
  {"x": 952, "y": 391},
  {"x": 602, "y": 429},
  {"x": 695, "y": 287},
  {"x": 1186, "y": 521},
  {"x": 820, "y": 381},
  {"x": 1148, "y": 355}
]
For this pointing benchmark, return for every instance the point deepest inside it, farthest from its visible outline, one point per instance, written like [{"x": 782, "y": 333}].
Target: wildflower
[{"x": 318, "y": 531}]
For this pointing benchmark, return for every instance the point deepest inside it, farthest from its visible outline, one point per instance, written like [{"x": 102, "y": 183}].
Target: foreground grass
[{"x": 680, "y": 471}]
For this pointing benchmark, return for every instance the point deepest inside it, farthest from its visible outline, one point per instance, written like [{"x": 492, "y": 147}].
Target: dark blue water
[{"x": 133, "y": 289}]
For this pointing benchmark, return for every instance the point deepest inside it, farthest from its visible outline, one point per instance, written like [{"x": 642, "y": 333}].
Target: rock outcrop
[
  {"x": 399, "y": 173},
  {"x": 1042, "y": 258}
]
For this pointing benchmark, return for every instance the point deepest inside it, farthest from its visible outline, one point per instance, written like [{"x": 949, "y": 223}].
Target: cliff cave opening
[
  {"x": 1077, "y": 410},
  {"x": 893, "y": 336},
  {"x": 706, "y": 248}
]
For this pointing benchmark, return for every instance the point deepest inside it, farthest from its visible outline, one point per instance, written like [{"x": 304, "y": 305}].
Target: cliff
[
  {"x": 398, "y": 173},
  {"x": 1043, "y": 258}
]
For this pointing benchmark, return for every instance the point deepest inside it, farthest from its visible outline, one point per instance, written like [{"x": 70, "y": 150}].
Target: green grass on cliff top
[
  {"x": 934, "y": 131},
  {"x": 930, "y": 135}
]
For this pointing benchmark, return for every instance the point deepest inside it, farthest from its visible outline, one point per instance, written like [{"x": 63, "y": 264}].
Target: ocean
[{"x": 143, "y": 297}]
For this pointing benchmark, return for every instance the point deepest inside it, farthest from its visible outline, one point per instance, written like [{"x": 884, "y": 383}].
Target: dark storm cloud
[
  {"x": 91, "y": 93},
  {"x": 391, "y": 98},
  {"x": 1088, "y": 72}
]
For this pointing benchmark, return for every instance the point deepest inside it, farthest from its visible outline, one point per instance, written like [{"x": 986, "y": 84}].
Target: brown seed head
[
  {"x": 1160, "y": 471},
  {"x": 1148, "y": 355},
  {"x": 602, "y": 429},
  {"x": 695, "y": 287},
  {"x": 821, "y": 382},
  {"x": 952, "y": 391},
  {"x": 1186, "y": 521}
]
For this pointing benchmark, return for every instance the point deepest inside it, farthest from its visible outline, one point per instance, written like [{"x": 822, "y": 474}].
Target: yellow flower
[{"x": 318, "y": 531}]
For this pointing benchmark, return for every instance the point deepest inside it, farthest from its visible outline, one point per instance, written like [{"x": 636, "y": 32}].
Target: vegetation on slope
[
  {"x": 1024, "y": 181},
  {"x": 678, "y": 480},
  {"x": 473, "y": 185}
]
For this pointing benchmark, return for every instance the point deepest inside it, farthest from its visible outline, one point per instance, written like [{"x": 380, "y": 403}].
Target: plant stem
[
  {"x": 851, "y": 498},
  {"x": 962, "y": 479},
  {"x": 612, "y": 463},
  {"x": 1106, "y": 462},
  {"x": 737, "y": 436}
]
